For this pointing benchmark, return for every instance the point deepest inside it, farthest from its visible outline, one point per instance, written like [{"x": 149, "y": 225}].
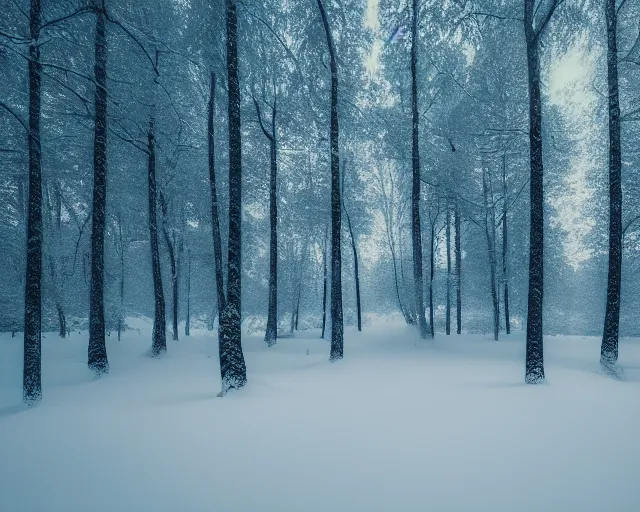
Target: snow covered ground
[{"x": 400, "y": 424}]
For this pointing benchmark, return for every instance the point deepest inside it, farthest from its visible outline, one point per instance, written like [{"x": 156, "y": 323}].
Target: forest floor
[{"x": 399, "y": 424}]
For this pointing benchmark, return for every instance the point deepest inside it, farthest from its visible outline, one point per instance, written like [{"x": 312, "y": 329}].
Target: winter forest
[{"x": 300, "y": 255}]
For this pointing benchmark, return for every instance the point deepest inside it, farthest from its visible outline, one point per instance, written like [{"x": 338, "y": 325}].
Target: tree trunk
[
  {"x": 355, "y": 257},
  {"x": 505, "y": 246},
  {"x": 232, "y": 364},
  {"x": 324, "y": 285},
  {"x": 432, "y": 239},
  {"x": 121, "y": 312},
  {"x": 52, "y": 223},
  {"x": 159, "y": 343},
  {"x": 448, "y": 235},
  {"x": 337, "y": 346},
  {"x": 32, "y": 389},
  {"x": 534, "y": 371},
  {"x": 489, "y": 229},
  {"x": 97, "y": 352},
  {"x": 415, "y": 191},
  {"x": 187, "y": 325},
  {"x": 271, "y": 333},
  {"x": 171, "y": 247},
  {"x": 215, "y": 219},
  {"x": 298, "y": 302},
  {"x": 609, "y": 349},
  {"x": 458, "y": 250},
  {"x": 175, "y": 283}
]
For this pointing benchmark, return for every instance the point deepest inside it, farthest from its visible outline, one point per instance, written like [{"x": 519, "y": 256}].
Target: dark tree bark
[
  {"x": 215, "y": 219},
  {"x": 448, "y": 236},
  {"x": 97, "y": 352},
  {"x": 271, "y": 333},
  {"x": 159, "y": 342},
  {"x": 232, "y": 364},
  {"x": 458, "y": 250},
  {"x": 505, "y": 246},
  {"x": 298, "y": 303},
  {"x": 534, "y": 368},
  {"x": 122, "y": 249},
  {"x": 609, "y": 349},
  {"x": 324, "y": 281},
  {"x": 32, "y": 388},
  {"x": 432, "y": 240},
  {"x": 52, "y": 222},
  {"x": 355, "y": 256},
  {"x": 416, "y": 231},
  {"x": 172, "y": 248},
  {"x": 187, "y": 325},
  {"x": 489, "y": 228},
  {"x": 337, "y": 345}
]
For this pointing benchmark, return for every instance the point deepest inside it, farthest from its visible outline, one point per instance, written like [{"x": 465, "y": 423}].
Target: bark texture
[
  {"x": 32, "y": 387},
  {"x": 458, "y": 251},
  {"x": 159, "y": 340},
  {"x": 416, "y": 232},
  {"x": 609, "y": 349},
  {"x": 534, "y": 368},
  {"x": 232, "y": 365},
  {"x": 215, "y": 217},
  {"x": 337, "y": 346},
  {"x": 97, "y": 352}
]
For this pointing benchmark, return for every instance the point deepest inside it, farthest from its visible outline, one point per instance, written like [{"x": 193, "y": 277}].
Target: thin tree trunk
[
  {"x": 121, "y": 312},
  {"x": 298, "y": 302},
  {"x": 187, "y": 325},
  {"x": 175, "y": 283},
  {"x": 232, "y": 365},
  {"x": 171, "y": 247},
  {"x": 52, "y": 222},
  {"x": 505, "y": 246},
  {"x": 159, "y": 342},
  {"x": 609, "y": 349},
  {"x": 448, "y": 236},
  {"x": 271, "y": 333},
  {"x": 97, "y": 352},
  {"x": 416, "y": 187},
  {"x": 355, "y": 256},
  {"x": 432, "y": 239},
  {"x": 337, "y": 346},
  {"x": 489, "y": 226},
  {"x": 458, "y": 251},
  {"x": 534, "y": 371},
  {"x": 215, "y": 219},
  {"x": 324, "y": 285}
]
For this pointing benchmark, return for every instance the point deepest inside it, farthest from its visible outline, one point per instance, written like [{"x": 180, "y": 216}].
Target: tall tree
[
  {"x": 159, "y": 340},
  {"x": 97, "y": 348},
  {"x": 505, "y": 245},
  {"x": 458, "y": 250},
  {"x": 490, "y": 234},
  {"x": 609, "y": 349},
  {"x": 32, "y": 387},
  {"x": 337, "y": 347},
  {"x": 416, "y": 231},
  {"x": 187, "y": 324},
  {"x": 355, "y": 255},
  {"x": 448, "y": 241},
  {"x": 232, "y": 366},
  {"x": 271, "y": 334},
  {"x": 534, "y": 367},
  {"x": 215, "y": 218}
]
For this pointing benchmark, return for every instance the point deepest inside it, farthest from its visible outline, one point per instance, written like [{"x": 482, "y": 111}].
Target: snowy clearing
[{"x": 400, "y": 424}]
